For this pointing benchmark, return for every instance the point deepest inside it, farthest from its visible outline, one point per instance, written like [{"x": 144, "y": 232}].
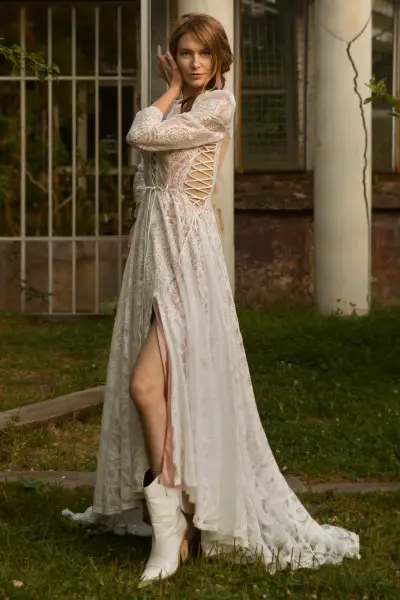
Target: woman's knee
[{"x": 142, "y": 390}]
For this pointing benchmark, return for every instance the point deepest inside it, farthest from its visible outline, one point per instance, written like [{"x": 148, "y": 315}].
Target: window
[
  {"x": 65, "y": 193},
  {"x": 276, "y": 38},
  {"x": 273, "y": 84}
]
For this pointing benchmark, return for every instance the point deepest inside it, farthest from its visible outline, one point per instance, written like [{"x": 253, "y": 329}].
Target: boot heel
[{"x": 184, "y": 549}]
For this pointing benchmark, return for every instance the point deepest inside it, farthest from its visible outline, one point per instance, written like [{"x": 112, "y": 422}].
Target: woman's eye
[{"x": 206, "y": 53}]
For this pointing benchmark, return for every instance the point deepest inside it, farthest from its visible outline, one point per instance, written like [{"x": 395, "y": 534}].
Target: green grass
[
  {"x": 69, "y": 446},
  {"x": 328, "y": 390},
  {"x": 55, "y": 559},
  {"x": 39, "y": 361}
]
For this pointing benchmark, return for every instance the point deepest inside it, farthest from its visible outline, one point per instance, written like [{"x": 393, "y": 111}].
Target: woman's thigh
[{"x": 148, "y": 377}]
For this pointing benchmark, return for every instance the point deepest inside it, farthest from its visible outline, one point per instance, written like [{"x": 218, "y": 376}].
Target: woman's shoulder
[{"x": 219, "y": 97}]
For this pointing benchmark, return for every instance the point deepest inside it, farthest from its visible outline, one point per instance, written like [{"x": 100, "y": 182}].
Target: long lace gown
[{"x": 218, "y": 451}]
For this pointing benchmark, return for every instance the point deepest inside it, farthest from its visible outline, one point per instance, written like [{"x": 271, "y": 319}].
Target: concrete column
[
  {"x": 342, "y": 175},
  {"x": 223, "y": 198}
]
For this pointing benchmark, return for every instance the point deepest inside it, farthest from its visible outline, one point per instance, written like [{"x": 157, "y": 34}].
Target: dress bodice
[{"x": 180, "y": 151}]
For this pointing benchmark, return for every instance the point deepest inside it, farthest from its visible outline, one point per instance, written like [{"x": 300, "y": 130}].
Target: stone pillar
[
  {"x": 223, "y": 198},
  {"x": 342, "y": 175}
]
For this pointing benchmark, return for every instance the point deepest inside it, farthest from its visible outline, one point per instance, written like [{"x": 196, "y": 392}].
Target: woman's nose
[{"x": 195, "y": 61}]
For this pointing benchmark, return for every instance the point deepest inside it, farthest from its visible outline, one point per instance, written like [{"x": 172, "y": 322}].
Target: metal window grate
[
  {"x": 63, "y": 159},
  {"x": 273, "y": 61}
]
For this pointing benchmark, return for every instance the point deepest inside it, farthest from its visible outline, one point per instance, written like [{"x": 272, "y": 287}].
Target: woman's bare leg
[{"x": 148, "y": 392}]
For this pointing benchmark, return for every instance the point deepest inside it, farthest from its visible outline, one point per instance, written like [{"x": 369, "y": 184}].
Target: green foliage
[
  {"x": 26, "y": 61},
  {"x": 380, "y": 93},
  {"x": 37, "y": 178},
  {"x": 37, "y": 151},
  {"x": 54, "y": 182}
]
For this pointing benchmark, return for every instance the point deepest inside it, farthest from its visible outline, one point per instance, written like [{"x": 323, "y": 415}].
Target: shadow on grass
[{"x": 55, "y": 559}]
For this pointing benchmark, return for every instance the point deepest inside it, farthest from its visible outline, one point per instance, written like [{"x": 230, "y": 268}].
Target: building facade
[{"x": 65, "y": 170}]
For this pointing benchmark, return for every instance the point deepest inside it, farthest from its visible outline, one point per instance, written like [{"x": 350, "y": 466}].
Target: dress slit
[{"x": 167, "y": 472}]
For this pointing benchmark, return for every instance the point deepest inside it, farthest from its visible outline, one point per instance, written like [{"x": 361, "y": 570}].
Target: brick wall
[{"x": 274, "y": 239}]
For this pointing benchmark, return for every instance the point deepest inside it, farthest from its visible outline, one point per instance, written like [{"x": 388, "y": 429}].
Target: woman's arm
[
  {"x": 164, "y": 102},
  {"x": 207, "y": 122}
]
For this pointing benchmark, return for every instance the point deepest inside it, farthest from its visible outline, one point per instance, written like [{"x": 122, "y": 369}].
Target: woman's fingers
[
  {"x": 166, "y": 66},
  {"x": 176, "y": 76},
  {"x": 161, "y": 62},
  {"x": 170, "y": 59},
  {"x": 161, "y": 57}
]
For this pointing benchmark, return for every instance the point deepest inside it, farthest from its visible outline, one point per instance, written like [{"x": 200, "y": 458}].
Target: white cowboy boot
[{"x": 169, "y": 544}]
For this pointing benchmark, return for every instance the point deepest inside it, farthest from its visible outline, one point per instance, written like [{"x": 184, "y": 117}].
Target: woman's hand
[{"x": 168, "y": 70}]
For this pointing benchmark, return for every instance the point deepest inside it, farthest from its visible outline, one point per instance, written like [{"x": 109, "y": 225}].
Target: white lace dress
[{"x": 220, "y": 454}]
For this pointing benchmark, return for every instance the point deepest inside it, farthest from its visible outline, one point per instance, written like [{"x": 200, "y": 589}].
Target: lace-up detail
[
  {"x": 153, "y": 167},
  {"x": 200, "y": 178}
]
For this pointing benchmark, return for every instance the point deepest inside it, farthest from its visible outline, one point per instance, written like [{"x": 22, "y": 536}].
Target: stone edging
[
  {"x": 73, "y": 479},
  {"x": 55, "y": 409},
  {"x": 66, "y": 479}
]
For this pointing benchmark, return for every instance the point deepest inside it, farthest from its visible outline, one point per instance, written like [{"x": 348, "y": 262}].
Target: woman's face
[{"x": 195, "y": 62}]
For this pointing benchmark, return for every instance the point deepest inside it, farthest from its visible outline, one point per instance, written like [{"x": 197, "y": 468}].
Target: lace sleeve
[
  {"x": 138, "y": 181},
  {"x": 139, "y": 185},
  {"x": 207, "y": 122}
]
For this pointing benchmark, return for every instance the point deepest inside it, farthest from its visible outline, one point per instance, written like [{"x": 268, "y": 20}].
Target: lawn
[
  {"x": 43, "y": 557},
  {"x": 39, "y": 361},
  {"x": 328, "y": 390}
]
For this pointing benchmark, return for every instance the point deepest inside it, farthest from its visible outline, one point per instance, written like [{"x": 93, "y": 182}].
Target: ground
[
  {"x": 55, "y": 560},
  {"x": 328, "y": 395},
  {"x": 328, "y": 390},
  {"x": 43, "y": 360}
]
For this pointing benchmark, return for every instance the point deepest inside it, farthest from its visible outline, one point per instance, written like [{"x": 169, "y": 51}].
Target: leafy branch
[
  {"x": 27, "y": 61},
  {"x": 380, "y": 93}
]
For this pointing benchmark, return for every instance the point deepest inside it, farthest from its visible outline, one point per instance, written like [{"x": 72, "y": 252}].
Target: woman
[{"x": 180, "y": 422}]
